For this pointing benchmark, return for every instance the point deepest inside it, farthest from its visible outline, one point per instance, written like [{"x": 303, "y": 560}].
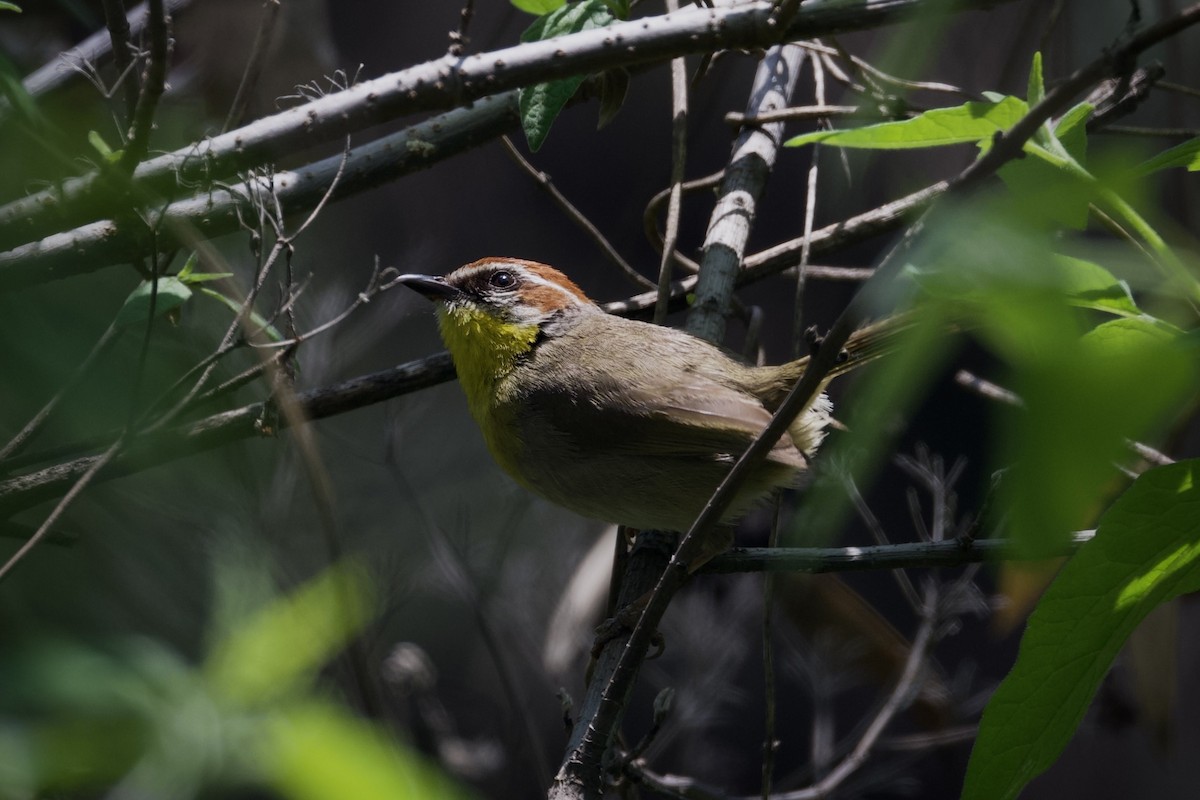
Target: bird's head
[{"x": 493, "y": 311}]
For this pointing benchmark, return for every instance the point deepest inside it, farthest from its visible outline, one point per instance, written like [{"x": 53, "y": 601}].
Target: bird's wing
[{"x": 698, "y": 420}]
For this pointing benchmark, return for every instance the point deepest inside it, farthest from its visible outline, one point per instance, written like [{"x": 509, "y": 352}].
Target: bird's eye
[{"x": 503, "y": 279}]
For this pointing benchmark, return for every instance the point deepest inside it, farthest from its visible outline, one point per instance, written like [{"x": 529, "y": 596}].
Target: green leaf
[
  {"x": 192, "y": 260},
  {"x": 1055, "y": 196},
  {"x": 172, "y": 293},
  {"x": 538, "y": 7},
  {"x": 1080, "y": 283},
  {"x": 1036, "y": 89},
  {"x": 540, "y": 105},
  {"x": 1146, "y": 552},
  {"x": 614, "y": 85},
  {"x": 101, "y": 147},
  {"x": 4, "y": 6},
  {"x": 1181, "y": 155},
  {"x": 1089, "y": 285},
  {"x": 204, "y": 277},
  {"x": 1077, "y": 418},
  {"x": 279, "y": 649},
  {"x": 316, "y": 751},
  {"x": 970, "y": 122},
  {"x": 1071, "y": 130},
  {"x": 259, "y": 322}
]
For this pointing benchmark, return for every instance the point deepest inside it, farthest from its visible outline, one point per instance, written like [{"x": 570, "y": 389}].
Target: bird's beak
[{"x": 431, "y": 286}]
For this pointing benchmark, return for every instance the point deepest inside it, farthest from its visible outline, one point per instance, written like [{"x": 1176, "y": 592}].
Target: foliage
[
  {"x": 139, "y": 717},
  {"x": 1146, "y": 552}
]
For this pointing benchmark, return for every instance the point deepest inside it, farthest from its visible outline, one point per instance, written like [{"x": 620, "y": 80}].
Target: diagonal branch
[{"x": 453, "y": 81}]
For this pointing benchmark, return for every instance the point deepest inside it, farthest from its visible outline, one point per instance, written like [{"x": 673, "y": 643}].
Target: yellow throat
[{"x": 484, "y": 349}]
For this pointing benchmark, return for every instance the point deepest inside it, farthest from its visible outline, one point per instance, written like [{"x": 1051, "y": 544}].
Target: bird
[{"x": 616, "y": 419}]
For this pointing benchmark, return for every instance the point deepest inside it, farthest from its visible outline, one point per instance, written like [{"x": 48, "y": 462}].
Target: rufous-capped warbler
[{"x": 615, "y": 419}]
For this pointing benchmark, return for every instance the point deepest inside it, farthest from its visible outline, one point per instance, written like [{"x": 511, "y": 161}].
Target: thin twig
[
  {"x": 810, "y": 213},
  {"x": 1164, "y": 133},
  {"x": 22, "y": 438},
  {"x": 679, "y": 115},
  {"x": 994, "y": 391},
  {"x": 153, "y": 81},
  {"x": 544, "y": 181},
  {"x": 796, "y": 113},
  {"x": 873, "y": 525},
  {"x": 899, "y": 699},
  {"x": 118, "y": 33},
  {"x": 1180, "y": 88},
  {"x": 650, "y": 216},
  {"x": 254, "y": 64},
  {"x": 907, "y": 555},
  {"x": 458, "y": 39},
  {"x": 770, "y": 745}
]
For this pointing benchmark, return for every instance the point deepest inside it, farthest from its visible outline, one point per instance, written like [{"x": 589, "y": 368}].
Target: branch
[
  {"x": 93, "y": 49},
  {"x": 745, "y": 178},
  {"x": 153, "y": 82},
  {"x": 452, "y": 81},
  {"x": 148, "y": 450},
  {"x": 118, "y": 36},
  {"x": 947, "y": 553},
  {"x": 102, "y": 244}
]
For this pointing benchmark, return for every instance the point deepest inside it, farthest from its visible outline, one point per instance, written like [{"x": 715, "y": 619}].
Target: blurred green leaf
[
  {"x": 884, "y": 392},
  {"x": 1055, "y": 196},
  {"x": 1089, "y": 285},
  {"x": 538, "y": 7},
  {"x": 13, "y": 89},
  {"x": 970, "y": 122},
  {"x": 1081, "y": 283},
  {"x": 204, "y": 277},
  {"x": 279, "y": 649},
  {"x": 315, "y": 751},
  {"x": 188, "y": 266},
  {"x": 100, "y": 146},
  {"x": 1182, "y": 155},
  {"x": 1084, "y": 398},
  {"x": 172, "y": 293},
  {"x": 5, "y": 6},
  {"x": 259, "y": 321},
  {"x": 1146, "y": 551},
  {"x": 540, "y": 104}
]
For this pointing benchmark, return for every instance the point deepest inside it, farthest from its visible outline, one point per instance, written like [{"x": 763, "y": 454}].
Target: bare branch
[
  {"x": 254, "y": 64},
  {"x": 102, "y": 244},
  {"x": 908, "y": 555},
  {"x": 575, "y": 215},
  {"x": 153, "y": 81},
  {"x": 150, "y": 449},
  {"x": 448, "y": 82},
  {"x": 745, "y": 179},
  {"x": 118, "y": 36},
  {"x": 679, "y": 117}
]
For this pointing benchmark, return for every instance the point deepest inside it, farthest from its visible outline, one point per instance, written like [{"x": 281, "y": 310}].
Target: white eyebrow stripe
[{"x": 538, "y": 279}]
